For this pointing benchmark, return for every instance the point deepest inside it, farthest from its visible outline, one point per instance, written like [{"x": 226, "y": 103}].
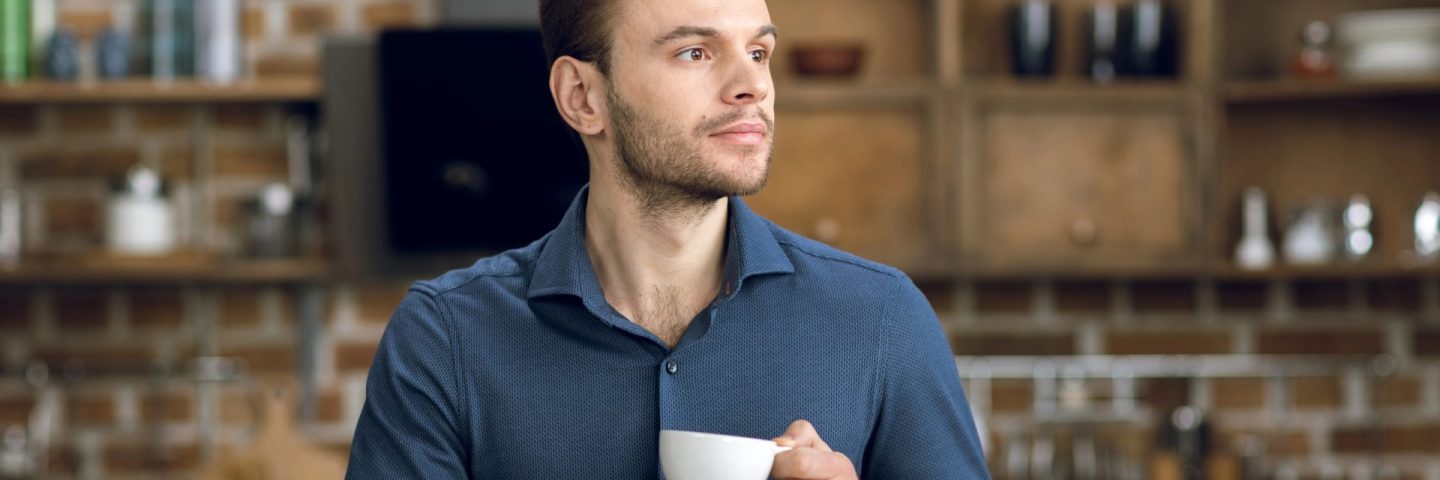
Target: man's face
[{"x": 690, "y": 96}]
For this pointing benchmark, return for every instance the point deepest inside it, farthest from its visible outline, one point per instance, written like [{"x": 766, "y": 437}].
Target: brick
[
  {"x": 239, "y": 116},
  {"x": 1320, "y": 295},
  {"x": 377, "y": 302},
  {"x": 1238, "y": 393},
  {"x": 311, "y": 19},
  {"x": 85, "y": 118},
  {"x": 1287, "y": 443},
  {"x": 938, "y": 293},
  {"x": 1314, "y": 341},
  {"x": 1012, "y": 396},
  {"x": 1013, "y": 344},
  {"x": 265, "y": 359},
  {"x": 1167, "y": 342},
  {"x": 1398, "y": 392},
  {"x": 238, "y": 408},
  {"x": 1165, "y": 394},
  {"x": 240, "y": 307},
  {"x": 1082, "y": 297},
  {"x": 177, "y": 162},
  {"x": 78, "y": 163},
  {"x": 157, "y": 308},
  {"x": 1408, "y": 438},
  {"x": 142, "y": 457},
  {"x": 1002, "y": 297},
  {"x": 168, "y": 407},
  {"x": 18, "y": 121},
  {"x": 380, "y": 16},
  {"x": 1165, "y": 296},
  {"x": 1241, "y": 295},
  {"x": 158, "y": 118},
  {"x": 329, "y": 406},
  {"x": 287, "y": 66},
  {"x": 72, "y": 216},
  {"x": 15, "y": 410},
  {"x": 14, "y": 310},
  {"x": 252, "y": 161},
  {"x": 1394, "y": 295},
  {"x": 1426, "y": 342},
  {"x": 90, "y": 410},
  {"x": 229, "y": 213},
  {"x": 81, "y": 308},
  {"x": 87, "y": 24},
  {"x": 354, "y": 356},
  {"x": 1315, "y": 392},
  {"x": 111, "y": 356}
]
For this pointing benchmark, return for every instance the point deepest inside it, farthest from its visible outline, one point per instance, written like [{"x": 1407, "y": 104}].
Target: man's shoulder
[
  {"x": 485, "y": 272},
  {"x": 816, "y": 258}
]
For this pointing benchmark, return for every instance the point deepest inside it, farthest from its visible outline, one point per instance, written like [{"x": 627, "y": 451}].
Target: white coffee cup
[{"x": 709, "y": 456}]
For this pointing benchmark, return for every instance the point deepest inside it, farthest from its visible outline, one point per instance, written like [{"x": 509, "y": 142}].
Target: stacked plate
[{"x": 1390, "y": 43}]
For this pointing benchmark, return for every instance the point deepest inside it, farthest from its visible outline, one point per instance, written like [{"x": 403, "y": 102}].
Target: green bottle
[{"x": 14, "y": 40}]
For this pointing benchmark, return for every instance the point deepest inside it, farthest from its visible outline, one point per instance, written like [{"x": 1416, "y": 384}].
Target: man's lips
[{"x": 745, "y": 133}]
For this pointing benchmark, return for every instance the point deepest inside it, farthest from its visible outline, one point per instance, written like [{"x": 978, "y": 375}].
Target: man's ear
[{"x": 572, "y": 83}]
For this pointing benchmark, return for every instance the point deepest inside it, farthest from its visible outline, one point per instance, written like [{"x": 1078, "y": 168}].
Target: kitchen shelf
[
  {"x": 165, "y": 272},
  {"x": 1256, "y": 91},
  {"x": 1328, "y": 272},
  {"x": 291, "y": 89},
  {"x": 843, "y": 93},
  {"x": 1042, "y": 90}
]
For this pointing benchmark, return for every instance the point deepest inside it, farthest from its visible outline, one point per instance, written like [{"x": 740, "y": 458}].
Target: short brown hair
[{"x": 579, "y": 29}]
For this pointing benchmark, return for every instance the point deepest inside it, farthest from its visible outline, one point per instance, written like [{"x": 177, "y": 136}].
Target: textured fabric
[{"x": 517, "y": 367}]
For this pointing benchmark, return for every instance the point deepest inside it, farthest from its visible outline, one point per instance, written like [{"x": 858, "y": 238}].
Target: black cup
[
  {"x": 1148, "y": 36},
  {"x": 1102, "y": 41},
  {"x": 1032, "y": 37}
]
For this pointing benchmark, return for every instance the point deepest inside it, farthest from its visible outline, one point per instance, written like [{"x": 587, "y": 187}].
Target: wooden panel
[
  {"x": 1047, "y": 175},
  {"x": 1330, "y": 150},
  {"x": 1262, "y": 38},
  {"x": 853, "y": 178},
  {"x": 894, "y": 32}
]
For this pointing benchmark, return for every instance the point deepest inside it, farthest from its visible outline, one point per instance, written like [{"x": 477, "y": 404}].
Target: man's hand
[{"x": 811, "y": 459}]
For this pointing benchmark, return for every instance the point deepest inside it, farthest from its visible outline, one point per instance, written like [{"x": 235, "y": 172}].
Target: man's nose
[{"x": 749, "y": 81}]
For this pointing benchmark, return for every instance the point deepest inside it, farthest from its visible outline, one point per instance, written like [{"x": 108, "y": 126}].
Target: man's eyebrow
[{"x": 685, "y": 31}]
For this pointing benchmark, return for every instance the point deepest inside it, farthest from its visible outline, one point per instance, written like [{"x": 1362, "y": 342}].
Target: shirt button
[{"x": 671, "y": 367}]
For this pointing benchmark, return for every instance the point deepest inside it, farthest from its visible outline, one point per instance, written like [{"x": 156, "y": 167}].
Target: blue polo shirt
[{"x": 517, "y": 367}]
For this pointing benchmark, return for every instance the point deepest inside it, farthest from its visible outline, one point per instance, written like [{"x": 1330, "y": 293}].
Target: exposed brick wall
[{"x": 215, "y": 155}]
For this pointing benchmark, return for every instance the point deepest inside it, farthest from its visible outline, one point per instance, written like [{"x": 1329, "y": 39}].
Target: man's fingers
[
  {"x": 811, "y": 464},
  {"x": 801, "y": 434}
]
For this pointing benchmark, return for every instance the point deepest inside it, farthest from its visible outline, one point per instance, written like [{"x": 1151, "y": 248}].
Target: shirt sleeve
[
  {"x": 924, "y": 428},
  {"x": 409, "y": 427}
]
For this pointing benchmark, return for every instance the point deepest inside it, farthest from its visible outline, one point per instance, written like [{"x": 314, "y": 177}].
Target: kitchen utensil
[
  {"x": 62, "y": 59},
  {"x": 1358, "y": 237},
  {"x": 1032, "y": 37},
  {"x": 838, "y": 60},
  {"x": 1314, "y": 59},
  {"x": 113, "y": 54},
  {"x": 274, "y": 223},
  {"x": 139, "y": 218},
  {"x": 1255, "y": 251},
  {"x": 1383, "y": 43},
  {"x": 1310, "y": 238},
  {"x": 1102, "y": 32},
  {"x": 1427, "y": 227},
  {"x": 1148, "y": 29},
  {"x": 707, "y": 456}
]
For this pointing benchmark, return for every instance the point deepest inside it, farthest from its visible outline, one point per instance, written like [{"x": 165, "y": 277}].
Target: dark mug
[
  {"x": 62, "y": 59},
  {"x": 1032, "y": 37},
  {"x": 112, "y": 54},
  {"x": 1149, "y": 37}
]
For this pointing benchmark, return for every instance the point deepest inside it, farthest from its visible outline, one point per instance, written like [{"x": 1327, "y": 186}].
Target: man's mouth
[{"x": 743, "y": 133}]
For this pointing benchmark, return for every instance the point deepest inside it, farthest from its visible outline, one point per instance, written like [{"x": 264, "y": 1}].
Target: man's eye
[
  {"x": 691, "y": 54},
  {"x": 759, "y": 56}
]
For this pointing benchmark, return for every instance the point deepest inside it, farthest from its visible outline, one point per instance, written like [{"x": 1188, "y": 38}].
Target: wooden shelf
[
  {"x": 1337, "y": 271},
  {"x": 1254, "y": 91},
  {"x": 1075, "y": 90},
  {"x": 162, "y": 272},
  {"x": 843, "y": 93},
  {"x": 296, "y": 89}
]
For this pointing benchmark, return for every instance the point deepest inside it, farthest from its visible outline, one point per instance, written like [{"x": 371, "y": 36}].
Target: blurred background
[{"x": 1169, "y": 239}]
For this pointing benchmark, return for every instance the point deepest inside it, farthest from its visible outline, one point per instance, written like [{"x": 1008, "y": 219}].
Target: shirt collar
[{"x": 563, "y": 266}]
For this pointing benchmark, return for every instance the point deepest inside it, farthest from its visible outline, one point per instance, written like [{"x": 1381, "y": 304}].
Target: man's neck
[{"x": 658, "y": 271}]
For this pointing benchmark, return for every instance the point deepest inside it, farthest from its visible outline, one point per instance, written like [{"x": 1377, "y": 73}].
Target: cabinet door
[
  {"x": 853, "y": 179},
  {"x": 1102, "y": 187}
]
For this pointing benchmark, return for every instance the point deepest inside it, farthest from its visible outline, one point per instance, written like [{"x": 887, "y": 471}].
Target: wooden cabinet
[{"x": 1074, "y": 187}]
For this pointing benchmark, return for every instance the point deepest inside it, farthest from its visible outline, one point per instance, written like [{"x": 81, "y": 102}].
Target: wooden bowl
[{"x": 828, "y": 59}]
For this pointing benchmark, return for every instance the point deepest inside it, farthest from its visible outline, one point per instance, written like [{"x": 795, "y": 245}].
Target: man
[{"x": 661, "y": 301}]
